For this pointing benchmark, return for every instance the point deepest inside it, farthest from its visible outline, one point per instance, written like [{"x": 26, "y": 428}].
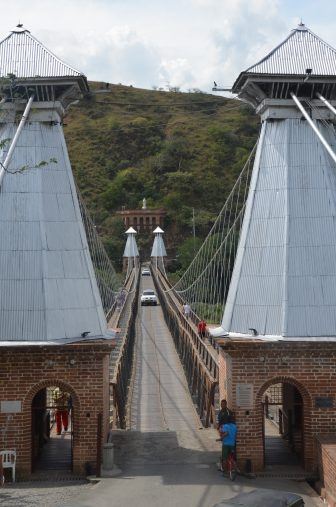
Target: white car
[
  {"x": 145, "y": 272},
  {"x": 148, "y": 297}
]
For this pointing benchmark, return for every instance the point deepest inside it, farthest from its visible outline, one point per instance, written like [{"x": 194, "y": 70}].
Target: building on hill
[
  {"x": 278, "y": 334},
  {"x": 53, "y": 332},
  {"x": 143, "y": 220}
]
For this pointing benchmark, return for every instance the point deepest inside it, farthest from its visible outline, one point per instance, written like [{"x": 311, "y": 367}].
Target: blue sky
[{"x": 184, "y": 43}]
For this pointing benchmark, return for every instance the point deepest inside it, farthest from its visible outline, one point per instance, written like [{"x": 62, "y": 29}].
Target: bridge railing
[
  {"x": 121, "y": 364},
  {"x": 199, "y": 359}
]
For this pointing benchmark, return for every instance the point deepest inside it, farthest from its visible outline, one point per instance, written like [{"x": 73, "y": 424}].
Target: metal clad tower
[
  {"x": 48, "y": 290},
  {"x": 284, "y": 277},
  {"x": 158, "y": 252},
  {"x": 158, "y": 249},
  {"x": 131, "y": 252}
]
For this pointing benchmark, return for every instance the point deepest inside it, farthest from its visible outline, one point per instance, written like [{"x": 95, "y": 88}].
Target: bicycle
[{"x": 230, "y": 464}]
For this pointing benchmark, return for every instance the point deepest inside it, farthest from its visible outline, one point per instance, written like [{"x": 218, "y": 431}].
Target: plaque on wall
[
  {"x": 10, "y": 407},
  {"x": 324, "y": 402},
  {"x": 244, "y": 395}
]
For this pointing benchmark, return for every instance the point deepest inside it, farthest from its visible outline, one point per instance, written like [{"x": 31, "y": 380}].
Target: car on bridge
[
  {"x": 148, "y": 297},
  {"x": 145, "y": 272}
]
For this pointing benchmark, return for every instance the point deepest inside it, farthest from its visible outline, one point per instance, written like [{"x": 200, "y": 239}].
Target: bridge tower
[
  {"x": 131, "y": 252},
  {"x": 279, "y": 317},
  {"x": 158, "y": 250},
  {"x": 53, "y": 332}
]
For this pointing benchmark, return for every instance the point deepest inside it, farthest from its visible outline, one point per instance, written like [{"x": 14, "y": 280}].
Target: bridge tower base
[
  {"x": 303, "y": 374},
  {"x": 80, "y": 369}
]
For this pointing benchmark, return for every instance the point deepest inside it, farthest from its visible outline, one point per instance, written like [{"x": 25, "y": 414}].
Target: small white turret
[
  {"x": 131, "y": 252},
  {"x": 158, "y": 249}
]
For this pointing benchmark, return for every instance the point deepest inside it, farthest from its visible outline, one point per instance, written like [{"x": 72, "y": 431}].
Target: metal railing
[{"x": 122, "y": 366}]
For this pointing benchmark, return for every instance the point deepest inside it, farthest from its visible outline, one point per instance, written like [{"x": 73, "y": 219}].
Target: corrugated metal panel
[
  {"x": 74, "y": 264},
  {"x": 301, "y": 50},
  {"x": 320, "y": 320},
  {"x": 158, "y": 249},
  {"x": 273, "y": 320},
  {"x": 329, "y": 289},
  {"x": 75, "y": 293},
  {"x": 63, "y": 235},
  {"x": 79, "y": 320},
  {"x": 297, "y": 321},
  {"x": 47, "y": 284},
  {"x": 272, "y": 261},
  {"x": 23, "y": 55},
  {"x": 285, "y": 273},
  {"x": 131, "y": 249},
  {"x": 269, "y": 203},
  {"x": 53, "y": 265},
  {"x": 15, "y": 265}
]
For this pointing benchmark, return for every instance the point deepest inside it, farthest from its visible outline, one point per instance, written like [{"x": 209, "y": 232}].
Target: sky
[{"x": 166, "y": 43}]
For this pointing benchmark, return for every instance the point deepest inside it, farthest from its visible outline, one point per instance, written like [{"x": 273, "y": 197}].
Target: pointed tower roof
[
  {"x": 24, "y": 56},
  {"x": 131, "y": 231},
  {"x": 301, "y": 50},
  {"x": 158, "y": 230}
]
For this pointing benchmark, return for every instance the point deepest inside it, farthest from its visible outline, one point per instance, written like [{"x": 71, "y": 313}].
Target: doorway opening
[
  {"x": 52, "y": 430},
  {"x": 283, "y": 425}
]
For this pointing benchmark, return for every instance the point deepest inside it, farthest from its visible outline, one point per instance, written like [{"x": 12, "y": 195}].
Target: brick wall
[
  {"x": 26, "y": 370},
  {"x": 327, "y": 467},
  {"x": 310, "y": 367}
]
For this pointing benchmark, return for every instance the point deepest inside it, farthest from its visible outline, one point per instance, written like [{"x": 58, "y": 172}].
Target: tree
[{"x": 187, "y": 251}]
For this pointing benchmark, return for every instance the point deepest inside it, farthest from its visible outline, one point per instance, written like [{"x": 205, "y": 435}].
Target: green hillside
[{"x": 179, "y": 150}]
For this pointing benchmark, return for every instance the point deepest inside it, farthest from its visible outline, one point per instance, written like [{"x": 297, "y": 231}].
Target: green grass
[{"x": 179, "y": 150}]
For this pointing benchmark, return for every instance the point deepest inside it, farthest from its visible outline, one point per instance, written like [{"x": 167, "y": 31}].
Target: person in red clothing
[
  {"x": 61, "y": 403},
  {"x": 202, "y": 328}
]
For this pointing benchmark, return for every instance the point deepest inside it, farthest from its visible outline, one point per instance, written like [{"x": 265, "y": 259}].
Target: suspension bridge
[{"x": 263, "y": 279}]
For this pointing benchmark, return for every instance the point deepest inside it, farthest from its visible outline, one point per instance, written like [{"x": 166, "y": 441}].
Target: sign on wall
[
  {"x": 324, "y": 402},
  {"x": 11, "y": 407},
  {"x": 244, "y": 396}
]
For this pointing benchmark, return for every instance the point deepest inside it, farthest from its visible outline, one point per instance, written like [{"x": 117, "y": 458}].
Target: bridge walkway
[{"x": 159, "y": 398}]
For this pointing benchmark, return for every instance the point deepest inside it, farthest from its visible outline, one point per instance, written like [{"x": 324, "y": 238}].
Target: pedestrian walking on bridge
[
  {"x": 187, "y": 310},
  {"x": 202, "y": 328}
]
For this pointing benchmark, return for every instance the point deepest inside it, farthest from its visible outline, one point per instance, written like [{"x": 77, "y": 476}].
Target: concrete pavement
[{"x": 179, "y": 485}]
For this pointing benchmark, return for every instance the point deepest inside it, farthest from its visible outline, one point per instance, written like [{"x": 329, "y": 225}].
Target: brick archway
[
  {"x": 27, "y": 409},
  {"x": 307, "y": 412},
  {"x": 50, "y": 383}
]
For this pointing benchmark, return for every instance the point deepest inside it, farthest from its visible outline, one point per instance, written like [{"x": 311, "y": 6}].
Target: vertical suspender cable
[{"x": 15, "y": 138}]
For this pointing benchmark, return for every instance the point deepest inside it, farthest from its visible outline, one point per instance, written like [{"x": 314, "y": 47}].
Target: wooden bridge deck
[{"x": 160, "y": 398}]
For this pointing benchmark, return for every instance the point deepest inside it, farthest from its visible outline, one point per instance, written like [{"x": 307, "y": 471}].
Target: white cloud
[{"x": 188, "y": 43}]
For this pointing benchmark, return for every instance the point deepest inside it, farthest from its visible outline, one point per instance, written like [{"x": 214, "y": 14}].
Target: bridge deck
[{"x": 160, "y": 398}]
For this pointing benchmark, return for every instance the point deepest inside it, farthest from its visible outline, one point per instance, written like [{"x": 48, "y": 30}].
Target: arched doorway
[
  {"x": 52, "y": 423},
  {"x": 283, "y": 424}
]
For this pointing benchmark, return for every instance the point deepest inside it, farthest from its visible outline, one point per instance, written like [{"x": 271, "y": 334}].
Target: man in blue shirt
[{"x": 228, "y": 434}]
